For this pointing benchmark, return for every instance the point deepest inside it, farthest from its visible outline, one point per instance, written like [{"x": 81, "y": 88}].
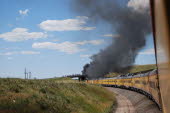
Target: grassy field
[
  {"x": 53, "y": 96},
  {"x": 139, "y": 68},
  {"x": 136, "y": 68}
]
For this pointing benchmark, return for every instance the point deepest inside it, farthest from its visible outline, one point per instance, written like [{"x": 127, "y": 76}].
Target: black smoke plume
[{"x": 132, "y": 27}]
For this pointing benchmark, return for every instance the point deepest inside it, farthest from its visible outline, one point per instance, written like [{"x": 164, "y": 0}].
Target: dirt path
[{"x": 132, "y": 102}]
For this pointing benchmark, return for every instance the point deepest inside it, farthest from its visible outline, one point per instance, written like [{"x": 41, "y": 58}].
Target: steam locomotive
[{"x": 144, "y": 82}]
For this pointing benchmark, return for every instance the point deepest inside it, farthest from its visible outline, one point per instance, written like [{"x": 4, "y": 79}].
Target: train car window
[
  {"x": 152, "y": 84},
  {"x": 137, "y": 81},
  {"x": 167, "y": 2},
  {"x": 128, "y": 81},
  {"x": 144, "y": 82}
]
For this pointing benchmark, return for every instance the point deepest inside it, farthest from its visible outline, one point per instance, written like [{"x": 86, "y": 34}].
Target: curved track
[{"x": 133, "y": 102}]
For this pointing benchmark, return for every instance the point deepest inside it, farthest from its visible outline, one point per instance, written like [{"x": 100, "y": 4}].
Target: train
[
  {"x": 155, "y": 84},
  {"x": 145, "y": 82}
]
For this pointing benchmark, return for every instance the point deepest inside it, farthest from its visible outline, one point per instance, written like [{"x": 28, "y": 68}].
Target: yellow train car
[
  {"x": 119, "y": 82},
  {"x": 141, "y": 83},
  {"x": 145, "y": 83},
  {"x": 109, "y": 82},
  {"x": 105, "y": 82},
  {"x": 100, "y": 82},
  {"x": 128, "y": 82},
  {"x": 154, "y": 88},
  {"x": 136, "y": 83}
]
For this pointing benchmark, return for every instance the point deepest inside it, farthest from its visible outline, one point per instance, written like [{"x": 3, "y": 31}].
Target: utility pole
[
  {"x": 29, "y": 75},
  {"x": 25, "y": 73}
]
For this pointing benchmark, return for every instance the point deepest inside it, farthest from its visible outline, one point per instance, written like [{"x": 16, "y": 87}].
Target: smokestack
[{"x": 131, "y": 23}]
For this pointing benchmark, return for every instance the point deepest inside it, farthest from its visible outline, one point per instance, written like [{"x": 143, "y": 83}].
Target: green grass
[
  {"x": 60, "y": 95},
  {"x": 139, "y": 68},
  {"x": 134, "y": 69}
]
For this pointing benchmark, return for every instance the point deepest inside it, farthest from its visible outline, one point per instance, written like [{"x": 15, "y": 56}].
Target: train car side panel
[{"x": 161, "y": 22}]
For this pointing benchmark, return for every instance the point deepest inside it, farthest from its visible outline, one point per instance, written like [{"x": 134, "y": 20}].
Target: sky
[{"x": 50, "y": 40}]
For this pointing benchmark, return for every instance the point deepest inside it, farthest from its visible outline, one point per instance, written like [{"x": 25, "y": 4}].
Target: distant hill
[
  {"x": 136, "y": 68},
  {"x": 139, "y": 68}
]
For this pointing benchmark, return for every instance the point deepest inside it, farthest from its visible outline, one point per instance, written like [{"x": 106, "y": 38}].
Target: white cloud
[
  {"x": 10, "y": 25},
  {"x": 29, "y": 52},
  {"x": 20, "y": 52},
  {"x": 65, "y": 25},
  {"x": 21, "y": 34},
  {"x": 56, "y": 40},
  {"x": 9, "y": 58},
  {"x": 23, "y": 12},
  {"x": 67, "y": 47},
  {"x": 93, "y": 42},
  {"x": 9, "y": 53},
  {"x": 139, "y": 5},
  {"x": 148, "y": 52},
  {"x": 111, "y": 35},
  {"x": 85, "y": 56}
]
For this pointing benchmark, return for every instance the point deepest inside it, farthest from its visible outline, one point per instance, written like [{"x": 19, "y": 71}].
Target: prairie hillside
[
  {"x": 53, "y": 96},
  {"x": 134, "y": 69}
]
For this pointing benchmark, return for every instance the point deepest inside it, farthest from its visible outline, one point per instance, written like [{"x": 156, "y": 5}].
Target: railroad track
[{"x": 132, "y": 102}]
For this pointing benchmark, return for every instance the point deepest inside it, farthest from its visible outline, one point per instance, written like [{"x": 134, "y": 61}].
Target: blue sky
[{"x": 49, "y": 39}]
